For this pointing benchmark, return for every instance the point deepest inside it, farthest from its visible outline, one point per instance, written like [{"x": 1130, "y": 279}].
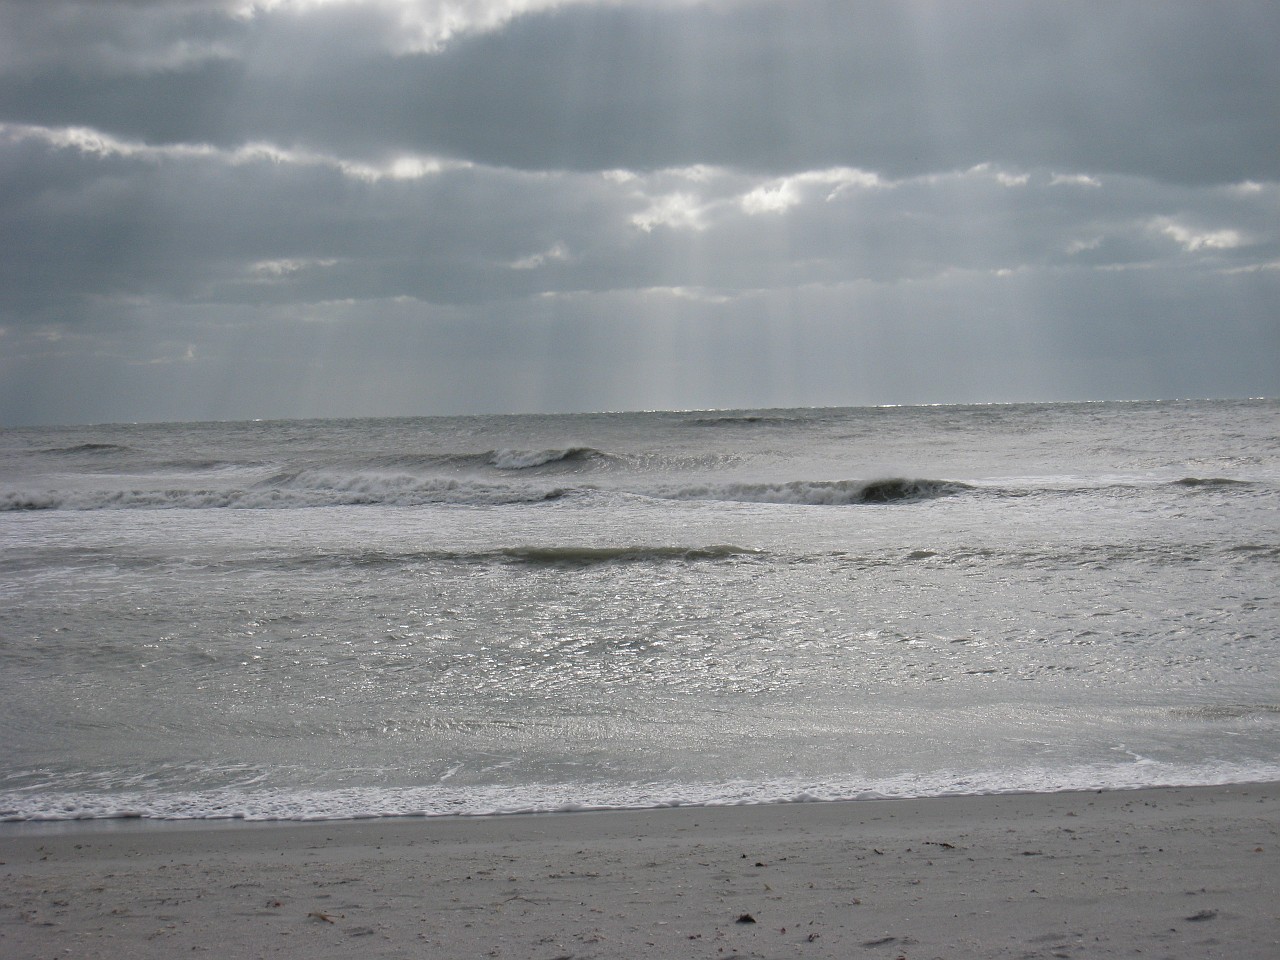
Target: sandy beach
[{"x": 1178, "y": 872}]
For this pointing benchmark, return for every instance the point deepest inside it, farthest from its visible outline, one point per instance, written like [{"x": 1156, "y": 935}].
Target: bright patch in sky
[
  {"x": 93, "y": 142},
  {"x": 680, "y": 211},
  {"x": 779, "y": 195},
  {"x": 426, "y": 26},
  {"x": 1074, "y": 180},
  {"x": 1192, "y": 240},
  {"x": 555, "y": 253}
]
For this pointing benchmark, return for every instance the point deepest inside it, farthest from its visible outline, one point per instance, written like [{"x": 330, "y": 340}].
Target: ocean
[{"x": 471, "y": 615}]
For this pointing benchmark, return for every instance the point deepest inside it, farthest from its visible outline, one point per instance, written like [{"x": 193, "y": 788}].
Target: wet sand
[{"x": 1178, "y": 872}]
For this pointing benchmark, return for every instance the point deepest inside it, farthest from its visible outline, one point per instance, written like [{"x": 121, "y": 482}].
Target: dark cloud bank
[{"x": 214, "y": 212}]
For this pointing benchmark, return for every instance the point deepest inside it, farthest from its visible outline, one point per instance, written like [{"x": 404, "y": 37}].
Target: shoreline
[
  {"x": 343, "y": 805},
  {"x": 143, "y": 821},
  {"x": 1168, "y": 871}
]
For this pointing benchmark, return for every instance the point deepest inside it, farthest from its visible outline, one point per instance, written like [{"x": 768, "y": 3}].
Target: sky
[{"x": 235, "y": 209}]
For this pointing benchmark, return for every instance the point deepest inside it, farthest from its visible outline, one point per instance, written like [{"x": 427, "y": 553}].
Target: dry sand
[{"x": 1189, "y": 873}]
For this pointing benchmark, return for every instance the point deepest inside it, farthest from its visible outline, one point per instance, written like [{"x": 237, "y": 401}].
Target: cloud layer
[{"x": 233, "y": 209}]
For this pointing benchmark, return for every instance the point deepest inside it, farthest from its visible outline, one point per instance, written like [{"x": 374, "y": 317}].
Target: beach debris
[
  {"x": 745, "y": 918},
  {"x": 1202, "y": 915},
  {"x": 317, "y": 915},
  {"x": 941, "y": 843}
]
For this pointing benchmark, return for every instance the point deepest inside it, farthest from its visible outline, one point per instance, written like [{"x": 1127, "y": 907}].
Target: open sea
[{"x": 353, "y": 618}]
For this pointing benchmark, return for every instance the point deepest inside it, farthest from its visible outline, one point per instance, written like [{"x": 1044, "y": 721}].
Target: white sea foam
[{"x": 439, "y": 801}]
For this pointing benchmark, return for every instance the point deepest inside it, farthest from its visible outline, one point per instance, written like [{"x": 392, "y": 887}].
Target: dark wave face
[
  {"x": 897, "y": 490},
  {"x": 535, "y": 459},
  {"x": 1195, "y": 482},
  {"x": 395, "y": 484},
  {"x": 86, "y": 448},
  {"x": 823, "y": 492},
  {"x": 742, "y": 420}
]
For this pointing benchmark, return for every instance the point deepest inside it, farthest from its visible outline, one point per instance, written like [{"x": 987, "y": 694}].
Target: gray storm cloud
[{"x": 286, "y": 209}]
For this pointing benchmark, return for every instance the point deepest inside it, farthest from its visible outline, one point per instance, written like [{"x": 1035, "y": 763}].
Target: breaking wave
[
  {"x": 445, "y": 800},
  {"x": 574, "y": 557},
  {"x": 503, "y": 459},
  {"x": 513, "y": 476},
  {"x": 328, "y": 487},
  {"x": 531, "y": 556},
  {"x": 530, "y": 459},
  {"x": 739, "y": 420},
  {"x": 590, "y": 556},
  {"x": 290, "y": 490},
  {"x": 823, "y": 492},
  {"x": 82, "y": 448},
  {"x": 1194, "y": 482}
]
